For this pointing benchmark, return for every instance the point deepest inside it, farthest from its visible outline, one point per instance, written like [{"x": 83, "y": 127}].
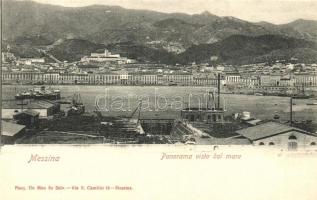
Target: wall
[{"x": 303, "y": 140}]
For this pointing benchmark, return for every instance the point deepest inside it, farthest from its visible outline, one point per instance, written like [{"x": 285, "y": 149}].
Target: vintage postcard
[{"x": 158, "y": 99}]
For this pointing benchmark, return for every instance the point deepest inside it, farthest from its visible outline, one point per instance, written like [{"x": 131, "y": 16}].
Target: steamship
[{"x": 39, "y": 93}]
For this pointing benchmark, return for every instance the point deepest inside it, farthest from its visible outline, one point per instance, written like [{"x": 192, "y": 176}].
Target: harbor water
[{"x": 167, "y": 101}]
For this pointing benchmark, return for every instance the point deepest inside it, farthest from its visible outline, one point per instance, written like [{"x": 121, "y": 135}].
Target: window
[
  {"x": 313, "y": 143},
  {"x": 261, "y": 143},
  {"x": 292, "y": 145},
  {"x": 214, "y": 118},
  {"x": 292, "y": 137},
  {"x": 271, "y": 143}
]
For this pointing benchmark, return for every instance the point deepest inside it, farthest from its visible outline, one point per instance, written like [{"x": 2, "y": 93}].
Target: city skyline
[{"x": 277, "y": 12}]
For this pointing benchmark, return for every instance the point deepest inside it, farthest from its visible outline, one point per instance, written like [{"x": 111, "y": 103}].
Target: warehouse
[
  {"x": 44, "y": 108},
  {"x": 273, "y": 133},
  {"x": 10, "y": 132}
]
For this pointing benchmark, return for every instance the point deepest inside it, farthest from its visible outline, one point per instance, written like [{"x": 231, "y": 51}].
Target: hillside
[
  {"x": 239, "y": 49},
  {"x": 71, "y": 33},
  {"x": 308, "y": 28},
  {"x": 143, "y": 53},
  {"x": 174, "y": 32},
  {"x": 74, "y": 49},
  {"x": 236, "y": 49}
]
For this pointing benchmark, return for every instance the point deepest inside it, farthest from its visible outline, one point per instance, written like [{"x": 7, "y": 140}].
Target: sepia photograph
[{"x": 181, "y": 80}]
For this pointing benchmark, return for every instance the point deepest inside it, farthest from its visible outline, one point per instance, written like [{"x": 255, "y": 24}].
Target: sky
[{"x": 274, "y": 11}]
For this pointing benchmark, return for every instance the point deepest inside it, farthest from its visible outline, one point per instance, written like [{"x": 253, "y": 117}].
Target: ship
[
  {"x": 302, "y": 94},
  {"x": 77, "y": 107},
  {"x": 213, "y": 113},
  {"x": 39, "y": 93},
  {"x": 172, "y": 84}
]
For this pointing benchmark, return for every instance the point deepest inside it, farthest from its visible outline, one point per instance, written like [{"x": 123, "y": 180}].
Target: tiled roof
[
  {"x": 222, "y": 141},
  {"x": 266, "y": 130}
]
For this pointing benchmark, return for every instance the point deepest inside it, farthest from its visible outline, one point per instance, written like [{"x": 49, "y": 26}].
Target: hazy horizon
[{"x": 277, "y": 12}]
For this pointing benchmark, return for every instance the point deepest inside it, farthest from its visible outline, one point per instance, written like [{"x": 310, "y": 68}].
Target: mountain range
[{"x": 69, "y": 33}]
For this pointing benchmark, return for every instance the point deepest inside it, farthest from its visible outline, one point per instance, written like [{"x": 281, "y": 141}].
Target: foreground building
[
  {"x": 273, "y": 133},
  {"x": 45, "y": 109},
  {"x": 10, "y": 132}
]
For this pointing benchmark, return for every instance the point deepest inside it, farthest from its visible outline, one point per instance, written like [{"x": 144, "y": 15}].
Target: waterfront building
[
  {"x": 13, "y": 107},
  {"x": 270, "y": 80},
  {"x": 122, "y": 77},
  {"x": 306, "y": 79},
  {"x": 144, "y": 79},
  {"x": 250, "y": 82},
  {"x": 297, "y": 79},
  {"x": 232, "y": 78},
  {"x": 68, "y": 78},
  {"x": 22, "y": 77},
  {"x": 273, "y": 133},
  {"x": 111, "y": 79},
  {"x": 125, "y": 77},
  {"x": 287, "y": 81},
  {"x": 204, "y": 81},
  {"x": 177, "y": 79},
  {"x": 51, "y": 78}
]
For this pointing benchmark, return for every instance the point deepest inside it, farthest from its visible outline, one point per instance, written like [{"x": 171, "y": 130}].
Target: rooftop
[
  {"x": 267, "y": 129},
  {"x": 222, "y": 141},
  {"x": 30, "y": 112},
  {"x": 13, "y": 104},
  {"x": 219, "y": 130},
  {"x": 10, "y": 129}
]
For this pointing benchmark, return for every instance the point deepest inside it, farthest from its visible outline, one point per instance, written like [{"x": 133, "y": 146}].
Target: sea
[{"x": 166, "y": 102}]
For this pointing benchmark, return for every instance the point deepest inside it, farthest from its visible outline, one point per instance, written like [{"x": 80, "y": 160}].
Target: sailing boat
[
  {"x": 77, "y": 107},
  {"x": 301, "y": 94}
]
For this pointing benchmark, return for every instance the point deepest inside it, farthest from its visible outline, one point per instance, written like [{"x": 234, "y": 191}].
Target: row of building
[
  {"x": 125, "y": 78},
  {"x": 122, "y": 79}
]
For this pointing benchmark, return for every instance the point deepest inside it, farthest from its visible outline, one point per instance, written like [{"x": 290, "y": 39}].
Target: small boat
[
  {"x": 172, "y": 84},
  {"x": 301, "y": 97},
  {"x": 23, "y": 95},
  {"x": 311, "y": 104}
]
